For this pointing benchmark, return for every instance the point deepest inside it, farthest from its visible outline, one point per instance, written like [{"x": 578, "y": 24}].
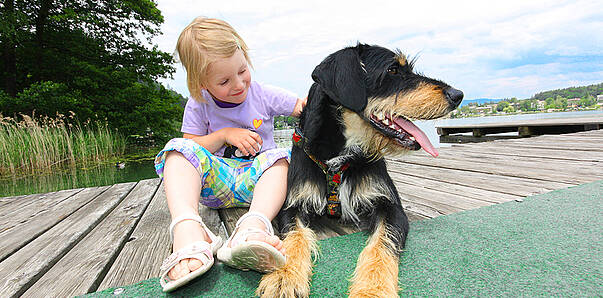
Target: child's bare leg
[
  {"x": 182, "y": 189},
  {"x": 268, "y": 198}
]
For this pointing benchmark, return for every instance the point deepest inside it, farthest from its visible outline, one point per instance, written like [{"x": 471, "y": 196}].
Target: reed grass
[{"x": 29, "y": 144}]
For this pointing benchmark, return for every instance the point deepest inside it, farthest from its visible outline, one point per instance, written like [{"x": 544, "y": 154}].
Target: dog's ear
[{"x": 343, "y": 79}]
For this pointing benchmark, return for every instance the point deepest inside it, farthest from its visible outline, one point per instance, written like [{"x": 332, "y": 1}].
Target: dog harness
[{"x": 334, "y": 178}]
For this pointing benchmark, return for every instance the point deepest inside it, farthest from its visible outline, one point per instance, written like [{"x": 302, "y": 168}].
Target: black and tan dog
[{"x": 359, "y": 110}]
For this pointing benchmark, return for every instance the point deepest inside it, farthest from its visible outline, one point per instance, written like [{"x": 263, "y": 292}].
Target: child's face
[{"x": 229, "y": 78}]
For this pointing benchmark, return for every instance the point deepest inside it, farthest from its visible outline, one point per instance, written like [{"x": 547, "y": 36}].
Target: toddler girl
[{"x": 227, "y": 157}]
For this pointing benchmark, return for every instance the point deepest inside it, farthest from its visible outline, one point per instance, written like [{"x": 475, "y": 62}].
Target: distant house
[
  {"x": 483, "y": 110},
  {"x": 600, "y": 98},
  {"x": 541, "y": 104},
  {"x": 573, "y": 102}
]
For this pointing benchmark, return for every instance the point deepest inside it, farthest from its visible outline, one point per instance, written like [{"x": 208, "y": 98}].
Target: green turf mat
[{"x": 547, "y": 245}]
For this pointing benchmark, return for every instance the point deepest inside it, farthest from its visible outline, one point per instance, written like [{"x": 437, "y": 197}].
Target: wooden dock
[
  {"x": 526, "y": 128},
  {"x": 77, "y": 241}
]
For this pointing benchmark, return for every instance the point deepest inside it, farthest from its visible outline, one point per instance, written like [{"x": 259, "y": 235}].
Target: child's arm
[
  {"x": 299, "y": 106},
  {"x": 241, "y": 138}
]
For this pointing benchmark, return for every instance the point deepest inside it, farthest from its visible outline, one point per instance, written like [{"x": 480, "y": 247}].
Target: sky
[{"x": 487, "y": 49}]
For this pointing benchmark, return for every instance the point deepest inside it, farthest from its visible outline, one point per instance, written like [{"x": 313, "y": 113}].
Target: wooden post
[
  {"x": 478, "y": 133},
  {"x": 525, "y": 131},
  {"x": 591, "y": 126}
]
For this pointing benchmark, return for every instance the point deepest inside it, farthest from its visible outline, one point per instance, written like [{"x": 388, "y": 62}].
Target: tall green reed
[{"x": 31, "y": 144}]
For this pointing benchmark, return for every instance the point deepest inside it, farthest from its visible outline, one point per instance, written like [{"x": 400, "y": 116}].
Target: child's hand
[
  {"x": 299, "y": 106},
  {"x": 248, "y": 142}
]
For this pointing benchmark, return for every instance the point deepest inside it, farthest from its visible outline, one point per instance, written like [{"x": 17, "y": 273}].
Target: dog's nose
[{"x": 454, "y": 96}]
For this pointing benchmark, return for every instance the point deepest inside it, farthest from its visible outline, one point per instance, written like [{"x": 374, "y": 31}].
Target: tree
[
  {"x": 509, "y": 109},
  {"x": 560, "y": 103},
  {"x": 587, "y": 101},
  {"x": 94, "y": 54},
  {"x": 502, "y": 105}
]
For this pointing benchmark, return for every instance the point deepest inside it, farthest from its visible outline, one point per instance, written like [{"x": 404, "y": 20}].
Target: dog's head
[{"x": 379, "y": 91}]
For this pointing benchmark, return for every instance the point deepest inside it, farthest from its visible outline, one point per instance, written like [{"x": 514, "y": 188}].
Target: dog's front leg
[
  {"x": 293, "y": 279},
  {"x": 376, "y": 273}
]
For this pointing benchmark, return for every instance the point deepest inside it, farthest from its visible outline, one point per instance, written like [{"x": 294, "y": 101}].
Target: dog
[{"x": 359, "y": 110}]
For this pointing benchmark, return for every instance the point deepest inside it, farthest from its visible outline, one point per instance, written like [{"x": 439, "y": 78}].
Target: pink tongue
[{"x": 419, "y": 135}]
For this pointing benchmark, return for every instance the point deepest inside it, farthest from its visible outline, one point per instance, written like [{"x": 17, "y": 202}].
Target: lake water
[
  {"x": 107, "y": 174},
  {"x": 135, "y": 171}
]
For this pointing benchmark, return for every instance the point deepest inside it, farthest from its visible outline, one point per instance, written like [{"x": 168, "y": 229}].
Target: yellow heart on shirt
[{"x": 257, "y": 123}]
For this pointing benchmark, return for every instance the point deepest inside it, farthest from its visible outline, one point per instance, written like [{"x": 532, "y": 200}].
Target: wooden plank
[
  {"x": 230, "y": 216},
  {"x": 561, "y": 145},
  {"x": 25, "y": 230},
  {"x": 147, "y": 247},
  {"x": 97, "y": 250},
  {"x": 435, "y": 196},
  {"x": 413, "y": 216},
  {"x": 420, "y": 204},
  {"x": 509, "y": 185},
  {"x": 7, "y": 200},
  {"x": 572, "y": 173},
  {"x": 588, "y": 137},
  {"x": 583, "y": 169},
  {"x": 556, "y": 142},
  {"x": 20, "y": 210},
  {"x": 583, "y": 135},
  {"x": 532, "y": 122},
  {"x": 424, "y": 209},
  {"x": 576, "y": 155},
  {"x": 211, "y": 218},
  {"x": 455, "y": 189},
  {"x": 28, "y": 264},
  {"x": 150, "y": 243}
]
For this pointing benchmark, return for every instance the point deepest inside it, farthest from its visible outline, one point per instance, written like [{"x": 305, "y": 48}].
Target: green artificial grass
[{"x": 546, "y": 245}]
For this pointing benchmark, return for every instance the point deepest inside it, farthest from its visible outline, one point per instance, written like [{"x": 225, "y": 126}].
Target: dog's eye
[{"x": 393, "y": 70}]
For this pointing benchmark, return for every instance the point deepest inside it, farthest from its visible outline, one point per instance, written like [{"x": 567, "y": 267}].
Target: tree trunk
[
  {"x": 9, "y": 50},
  {"x": 41, "y": 21}
]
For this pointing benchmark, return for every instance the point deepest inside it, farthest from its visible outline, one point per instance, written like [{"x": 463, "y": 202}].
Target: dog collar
[{"x": 334, "y": 178}]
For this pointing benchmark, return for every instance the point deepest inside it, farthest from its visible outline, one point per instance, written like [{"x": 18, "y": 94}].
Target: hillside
[
  {"x": 479, "y": 101},
  {"x": 572, "y": 92}
]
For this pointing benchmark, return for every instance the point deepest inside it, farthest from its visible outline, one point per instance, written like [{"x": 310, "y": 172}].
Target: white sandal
[
  {"x": 200, "y": 250},
  {"x": 251, "y": 255}
]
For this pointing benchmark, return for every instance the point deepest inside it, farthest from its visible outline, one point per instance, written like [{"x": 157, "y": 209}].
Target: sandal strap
[
  {"x": 200, "y": 250},
  {"x": 269, "y": 231},
  {"x": 194, "y": 217},
  {"x": 261, "y": 216}
]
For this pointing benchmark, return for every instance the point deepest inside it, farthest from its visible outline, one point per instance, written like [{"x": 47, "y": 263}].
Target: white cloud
[{"x": 482, "y": 47}]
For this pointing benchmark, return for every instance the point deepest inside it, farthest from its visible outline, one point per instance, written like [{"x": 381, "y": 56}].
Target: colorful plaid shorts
[{"x": 225, "y": 182}]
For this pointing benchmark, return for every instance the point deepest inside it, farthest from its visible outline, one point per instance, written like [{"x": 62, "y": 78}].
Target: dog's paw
[
  {"x": 350, "y": 154},
  {"x": 335, "y": 163},
  {"x": 284, "y": 283},
  {"x": 373, "y": 290}
]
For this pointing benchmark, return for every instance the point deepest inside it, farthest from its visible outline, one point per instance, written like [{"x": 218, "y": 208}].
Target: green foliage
[
  {"x": 90, "y": 58},
  {"x": 502, "y": 105},
  {"x": 509, "y": 109},
  {"x": 43, "y": 98},
  {"x": 29, "y": 144},
  {"x": 588, "y": 101},
  {"x": 573, "y": 92},
  {"x": 284, "y": 122},
  {"x": 529, "y": 105}
]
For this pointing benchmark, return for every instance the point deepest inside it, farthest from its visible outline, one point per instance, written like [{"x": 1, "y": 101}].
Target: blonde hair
[{"x": 202, "y": 42}]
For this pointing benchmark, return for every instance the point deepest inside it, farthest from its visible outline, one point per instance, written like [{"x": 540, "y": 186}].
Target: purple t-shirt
[{"x": 256, "y": 113}]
